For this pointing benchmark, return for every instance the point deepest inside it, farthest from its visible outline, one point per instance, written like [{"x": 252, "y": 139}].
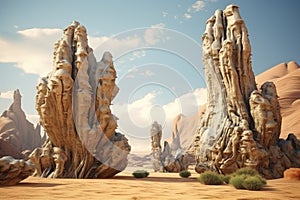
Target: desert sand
[{"x": 156, "y": 186}]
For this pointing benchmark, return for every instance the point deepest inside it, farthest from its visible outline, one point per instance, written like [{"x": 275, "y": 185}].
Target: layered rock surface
[
  {"x": 170, "y": 158},
  {"x": 73, "y": 102},
  {"x": 12, "y": 171},
  {"x": 286, "y": 77},
  {"x": 241, "y": 124},
  {"x": 17, "y": 135}
]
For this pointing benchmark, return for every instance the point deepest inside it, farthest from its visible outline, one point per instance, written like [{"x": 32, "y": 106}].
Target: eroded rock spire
[
  {"x": 73, "y": 102},
  {"x": 241, "y": 124}
]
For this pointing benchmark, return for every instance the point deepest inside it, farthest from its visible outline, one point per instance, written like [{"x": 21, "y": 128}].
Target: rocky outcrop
[
  {"x": 292, "y": 174},
  {"x": 156, "y": 157},
  {"x": 12, "y": 171},
  {"x": 17, "y": 135},
  {"x": 172, "y": 158},
  {"x": 286, "y": 77},
  {"x": 241, "y": 124},
  {"x": 73, "y": 102}
]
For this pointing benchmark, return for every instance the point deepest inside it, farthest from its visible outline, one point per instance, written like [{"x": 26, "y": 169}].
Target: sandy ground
[{"x": 156, "y": 186}]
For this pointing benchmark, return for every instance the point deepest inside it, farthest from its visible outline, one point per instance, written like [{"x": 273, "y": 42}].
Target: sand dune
[
  {"x": 156, "y": 186},
  {"x": 287, "y": 80}
]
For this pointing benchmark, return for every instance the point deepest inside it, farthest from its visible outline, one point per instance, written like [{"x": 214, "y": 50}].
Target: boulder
[
  {"x": 12, "y": 171},
  {"x": 292, "y": 174}
]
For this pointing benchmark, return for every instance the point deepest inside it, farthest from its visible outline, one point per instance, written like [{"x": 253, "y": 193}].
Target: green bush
[
  {"x": 210, "y": 178},
  {"x": 246, "y": 181},
  {"x": 253, "y": 183},
  {"x": 140, "y": 174},
  {"x": 185, "y": 174},
  {"x": 261, "y": 179},
  {"x": 225, "y": 178},
  {"x": 246, "y": 171},
  {"x": 237, "y": 181}
]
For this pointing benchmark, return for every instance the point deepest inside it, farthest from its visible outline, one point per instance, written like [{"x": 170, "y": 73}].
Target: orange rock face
[{"x": 292, "y": 174}]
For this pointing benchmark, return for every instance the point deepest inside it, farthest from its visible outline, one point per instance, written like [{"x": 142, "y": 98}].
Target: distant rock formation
[
  {"x": 12, "y": 171},
  {"x": 156, "y": 134},
  {"x": 286, "y": 77},
  {"x": 17, "y": 135},
  {"x": 241, "y": 124},
  {"x": 73, "y": 102},
  {"x": 172, "y": 158}
]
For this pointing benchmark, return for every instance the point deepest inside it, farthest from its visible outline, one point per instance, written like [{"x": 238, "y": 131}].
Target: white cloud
[
  {"x": 7, "y": 94},
  {"x": 32, "y": 52},
  {"x": 133, "y": 69},
  {"x": 195, "y": 7},
  {"x": 147, "y": 73},
  {"x": 137, "y": 54},
  {"x": 154, "y": 34},
  {"x": 129, "y": 76},
  {"x": 37, "y": 33},
  {"x": 164, "y": 14},
  {"x": 187, "y": 16},
  {"x": 135, "y": 118},
  {"x": 186, "y": 103},
  {"x": 160, "y": 25},
  {"x": 117, "y": 46},
  {"x": 198, "y": 5}
]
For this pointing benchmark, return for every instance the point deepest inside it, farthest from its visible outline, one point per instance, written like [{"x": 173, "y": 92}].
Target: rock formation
[
  {"x": 241, "y": 124},
  {"x": 156, "y": 157},
  {"x": 17, "y": 135},
  {"x": 286, "y": 77},
  {"x": 12, "y": 171},
  {"x": 292, "y": 174},
  {"x": 172, "y": 158},
  {"x": 73, "y": 102}
]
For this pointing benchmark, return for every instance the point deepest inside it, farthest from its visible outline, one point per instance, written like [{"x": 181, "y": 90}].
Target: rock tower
[
  {"x": 241, "y": 124},
  {"x": 73, "y": 102}
]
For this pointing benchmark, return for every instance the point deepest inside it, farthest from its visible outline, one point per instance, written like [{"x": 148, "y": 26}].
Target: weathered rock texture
[
  {"x": 172, "y": 158},
  {"x": 156, "y": 133},
  {"x": 241, "y": 124},
  {"x": 286, "y": 77},
  {"x": 73, "y": 102},
  {"x": 12, "y": 171},
  {"x": 17, "y": 135}
]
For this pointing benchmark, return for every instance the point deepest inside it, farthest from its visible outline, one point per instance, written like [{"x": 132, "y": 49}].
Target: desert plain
[{"x": 157, "y": 186}]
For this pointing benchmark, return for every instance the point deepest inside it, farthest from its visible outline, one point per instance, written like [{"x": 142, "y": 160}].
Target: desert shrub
[
  {"x": 185, "y": 174},
  {"x": 140, "y": 174},
  {"x": 210, "y": 178},
  {"x": 246, "y": 171},
  {"x": 225, "y": 178},
  {"x": 253, "y": 183},
  {"x": 245, "y": 181},
  {"x": 237, "y": 181}
]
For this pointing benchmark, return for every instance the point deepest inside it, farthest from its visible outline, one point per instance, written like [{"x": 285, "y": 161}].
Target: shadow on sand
[{"x": 155, "y": 179}]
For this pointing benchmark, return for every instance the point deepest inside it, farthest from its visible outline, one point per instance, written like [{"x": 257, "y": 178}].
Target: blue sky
[{"x": 156, "y": 47}]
